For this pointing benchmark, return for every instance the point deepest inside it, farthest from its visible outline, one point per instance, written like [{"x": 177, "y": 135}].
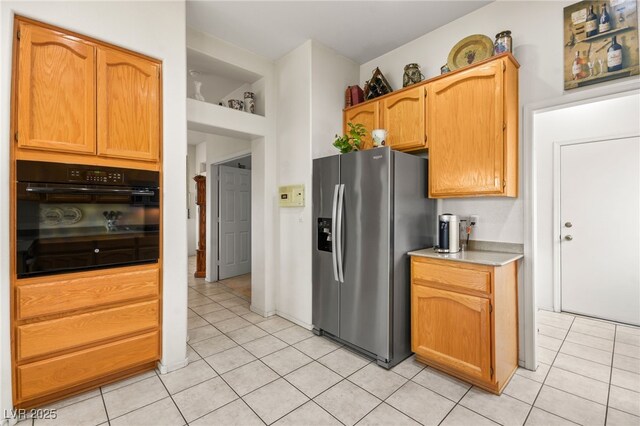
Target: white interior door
[
  {"x": 234, "y": 237},
  {"x": 600, "y": 229}
]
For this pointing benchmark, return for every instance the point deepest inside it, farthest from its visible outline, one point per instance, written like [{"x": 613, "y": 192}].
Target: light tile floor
[{"x": 245, "y": 369}]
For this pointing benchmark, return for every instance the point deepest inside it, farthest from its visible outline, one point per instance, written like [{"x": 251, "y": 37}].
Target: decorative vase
[
  {"x": 198, "y": 95},
  {"x": 379, "y": 136},
  {"x": 412, "y": 75},
  {"x": 249, "y": 102},
  {"x": 236, "y": 104},
  {"x": 503, "y": 42}
]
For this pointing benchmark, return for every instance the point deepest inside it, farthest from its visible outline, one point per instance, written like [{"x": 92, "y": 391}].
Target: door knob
[
  {"x": 568, "y": 224},
  {"x": 568, "y": 237}
]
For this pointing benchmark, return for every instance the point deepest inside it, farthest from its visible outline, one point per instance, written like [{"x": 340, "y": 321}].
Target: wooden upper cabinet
[
  {"x": 55, "y": 91},
  {"x": 128, "y": 106},
  {"x": 368, "y": 115},
  {"x": 403, "y": 116},
  {"x": 470, "y": 151}
]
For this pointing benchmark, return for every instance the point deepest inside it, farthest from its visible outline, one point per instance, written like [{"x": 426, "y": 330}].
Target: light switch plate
[{"x": 291, "y": 196}]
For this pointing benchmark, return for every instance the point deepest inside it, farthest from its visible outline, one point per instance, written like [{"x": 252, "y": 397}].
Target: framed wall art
[{"x": 600, "y": 42}]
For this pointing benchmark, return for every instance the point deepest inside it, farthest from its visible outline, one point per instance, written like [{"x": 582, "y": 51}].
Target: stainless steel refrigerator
[{"x": 369, "y": 209}]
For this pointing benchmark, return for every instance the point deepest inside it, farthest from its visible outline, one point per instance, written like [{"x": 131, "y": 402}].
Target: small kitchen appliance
[{"x": 448, "y": 233}]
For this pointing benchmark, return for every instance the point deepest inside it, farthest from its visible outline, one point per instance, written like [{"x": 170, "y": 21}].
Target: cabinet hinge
[
  {"x": 504, "y": 67},
  {"x": 491, "y": 368},
  {"x": 490, "y": 307},
  {"x": 18, "y": 34},
  {"x": 504, "y": 183},
  {"x": 15, "y": 136},
  {"x": 425, "y": 138},
  {"x": 504, "y": 126},
  {"x": 158, "y": 72}
]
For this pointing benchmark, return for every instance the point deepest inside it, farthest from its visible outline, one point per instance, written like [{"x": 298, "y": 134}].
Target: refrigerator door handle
[
  {"x": 334, "y": 236},
  {"x": 339, "y": 229}
]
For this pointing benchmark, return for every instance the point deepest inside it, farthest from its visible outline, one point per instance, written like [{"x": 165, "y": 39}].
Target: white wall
[
  {"x": 191, "y": 197},
  {"x": 596, "y": 120},
  {"x": 311, "y": 83},
  {"x": 538, "y": 45},
  {"x": 158, "y": 30}
]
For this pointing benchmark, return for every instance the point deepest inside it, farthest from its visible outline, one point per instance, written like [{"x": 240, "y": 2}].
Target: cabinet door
[
  {"x": 56, "y": 91},
  {"x": 128, "y": 106},
  {"x": 465, "y": 128},
  {"x": 368, "y": 115},
  {"x": 452, "y": 329},
  {"x": 403, "y": 116}
]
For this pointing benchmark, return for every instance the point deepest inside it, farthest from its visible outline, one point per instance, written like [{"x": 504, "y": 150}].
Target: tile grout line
[
  {"x": 172, "y": 400},
  {"x": 613, "y": 352},
  {"x": 533, "y": 403},
  {"x": 104, "y": 404}
]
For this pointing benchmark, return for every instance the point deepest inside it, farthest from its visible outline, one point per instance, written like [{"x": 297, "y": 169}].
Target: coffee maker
[{"x": 448, "y": 233}]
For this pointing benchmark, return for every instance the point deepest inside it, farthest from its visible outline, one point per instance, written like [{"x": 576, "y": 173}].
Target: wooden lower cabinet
[
  {"x": 74, "y": 332},
  {"x": 459, "y": 327}
]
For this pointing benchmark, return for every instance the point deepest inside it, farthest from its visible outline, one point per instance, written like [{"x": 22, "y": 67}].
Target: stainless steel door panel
[
  {"x": 365, "y": 293},
  {"x": 326, "y": 289}
]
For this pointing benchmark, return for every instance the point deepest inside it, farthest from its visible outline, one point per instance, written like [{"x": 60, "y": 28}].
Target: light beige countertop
[{"x": 491, "y": 258}]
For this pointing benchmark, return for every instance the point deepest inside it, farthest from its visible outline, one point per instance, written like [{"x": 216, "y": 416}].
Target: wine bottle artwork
[
  {"x": 605, "y": 20},
  {"x": 614, "y": 56},
  {"x": 578, "y": 67},
  {"x": 591, "y": 25}
]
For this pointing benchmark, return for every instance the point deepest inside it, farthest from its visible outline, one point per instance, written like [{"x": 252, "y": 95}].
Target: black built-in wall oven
[{"x": 77, "y": 217}]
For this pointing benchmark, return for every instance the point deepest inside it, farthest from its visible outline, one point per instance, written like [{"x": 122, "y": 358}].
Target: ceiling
[{"x": 360, "y": 30}]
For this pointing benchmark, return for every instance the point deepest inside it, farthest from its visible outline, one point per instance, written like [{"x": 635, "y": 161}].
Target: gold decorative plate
[{"x": 469, "y": 50}]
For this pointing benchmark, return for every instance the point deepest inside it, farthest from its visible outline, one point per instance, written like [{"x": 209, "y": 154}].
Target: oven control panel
[{"x": 96, "y": 176}]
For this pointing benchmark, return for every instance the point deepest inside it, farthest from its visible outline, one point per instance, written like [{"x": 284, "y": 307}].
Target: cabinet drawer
[
  {"x": 58, "y": 294},
  {"x": 451, "y": 277},
  {"x": 55, "y": 374},
  {"x": 65, "y": 333}
]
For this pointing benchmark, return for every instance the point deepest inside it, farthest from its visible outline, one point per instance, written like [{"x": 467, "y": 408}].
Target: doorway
[{"x": 598, "y": 186}]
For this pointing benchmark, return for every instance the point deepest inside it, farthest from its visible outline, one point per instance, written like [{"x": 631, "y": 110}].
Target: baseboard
[
  {"x": 294, "y": 320},
  {"x": 164, "y": 368},
  {"x": 261, "y": 312}
]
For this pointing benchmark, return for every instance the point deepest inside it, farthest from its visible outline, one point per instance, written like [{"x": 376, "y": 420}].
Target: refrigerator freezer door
[
  {"x": 365, "y": 292},
  {"x": 326, "y": 288}
]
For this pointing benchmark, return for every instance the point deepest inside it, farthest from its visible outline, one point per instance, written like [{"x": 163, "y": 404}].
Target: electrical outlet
[{"x": 474, "y": 220}]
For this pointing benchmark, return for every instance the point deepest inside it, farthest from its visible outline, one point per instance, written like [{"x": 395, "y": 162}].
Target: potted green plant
[{"x": 352, "y": 140}]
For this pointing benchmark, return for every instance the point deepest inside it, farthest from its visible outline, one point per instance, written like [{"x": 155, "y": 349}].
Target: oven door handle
[{"x": 74, "y": 190}]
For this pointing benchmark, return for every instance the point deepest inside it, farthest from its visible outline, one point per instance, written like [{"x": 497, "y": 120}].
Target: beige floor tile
[
  {"x": 204, "y": 398},
  {"x": 211, "y": 291},
  {"x": 207, "y": 309},
  {"x": 625, "y": 379},
  {"x": 576, "y": 384},
  {"x": 420, "y": 404},
  {"x": 275, "y": 324},
  {"x": 192, "y": 355},
  {"x": 585, "y": 352},
  {"x": 554, "y": 319},
  {"x": 246, "y": 334},
  {"x": 235, "y": 301},
  {"x": 236, "y": 413},
  {"x": 218, "y": 316},
  {"x": 249, "y": 377},
  {"x": 191, "y": 313},
  {"x": 132, "y": 397},
  {"x": 232, "y": 324},
  {"x": 551, "y": 331},
  {"x": 194, "y": 373},
  {"x": 213, "y": 345},
  {"x": 81, "y": 397},
  {"x": 293, "y": 335},
  {"x": 593, "y": 330},
  {"x": 626, "y": 363},
  {"x": 313, "y": 379},
  {"x": 627, "y": 329},
  {"x": 461, "y": 416},
  {"x": 595, "y": 322},
  {"x": 198, "y": 301},
  {"x": 502, "y": 409},
  {"x": 584, "y": 367},
  {"x": 264, "y": 346},
  {"x": 160, "y": 413},
  {"x": 347, "y": 402},
  {"x": 628, "y": 338},
  {"x": 442, "y": 383},
  {"x": 624, "y": 400},
  {"x": 128, "y": 381},
  {"x": 286, "y": 360},
  {"x": 254, "y": 318},
  {"x": 538, "y": 375},
  {"x": 591, "y": 341},
  {"x": 377, "y": 380},
  {"x": 309, "y": 414},
  {"x": 89, "y": 412},
  {"x": 545, "y": 355},
  {"x": 384, "y": 415},
  {"x": 538, "y": 417},
  {"x": 240, "y": 309},
  {"x": 222, "y": 296},
  {"x": 523, "y": 389},
  {"x": 620, "y": 418},
  {"x": 275, "y": 400},
  {"x": 627, "y": 350},
  {"x": 202, "y": 333},
  {"x": 231, "y": 358},
  {"x": 570, "y": 407},
  {"x": 549, "y": 342},
  {"x": 316, "y": 346},
  {"x": 409, "y": 367},
  {"x": 343, "y": 361}
]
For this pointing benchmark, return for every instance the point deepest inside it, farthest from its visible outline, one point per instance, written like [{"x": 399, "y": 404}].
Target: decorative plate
[
  {"x": 469, "y": 50},
  {"x": 71, "y": 215},
  {"x": 51, "y": 216}
]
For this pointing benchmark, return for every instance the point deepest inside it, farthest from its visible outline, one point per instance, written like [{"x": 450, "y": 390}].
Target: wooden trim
[{"x": 507, "y": 55}]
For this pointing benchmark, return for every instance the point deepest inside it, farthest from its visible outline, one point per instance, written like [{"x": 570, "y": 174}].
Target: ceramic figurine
[
  {"x": 198, "y": 95},
  {"x": 249, "y": 102}
]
